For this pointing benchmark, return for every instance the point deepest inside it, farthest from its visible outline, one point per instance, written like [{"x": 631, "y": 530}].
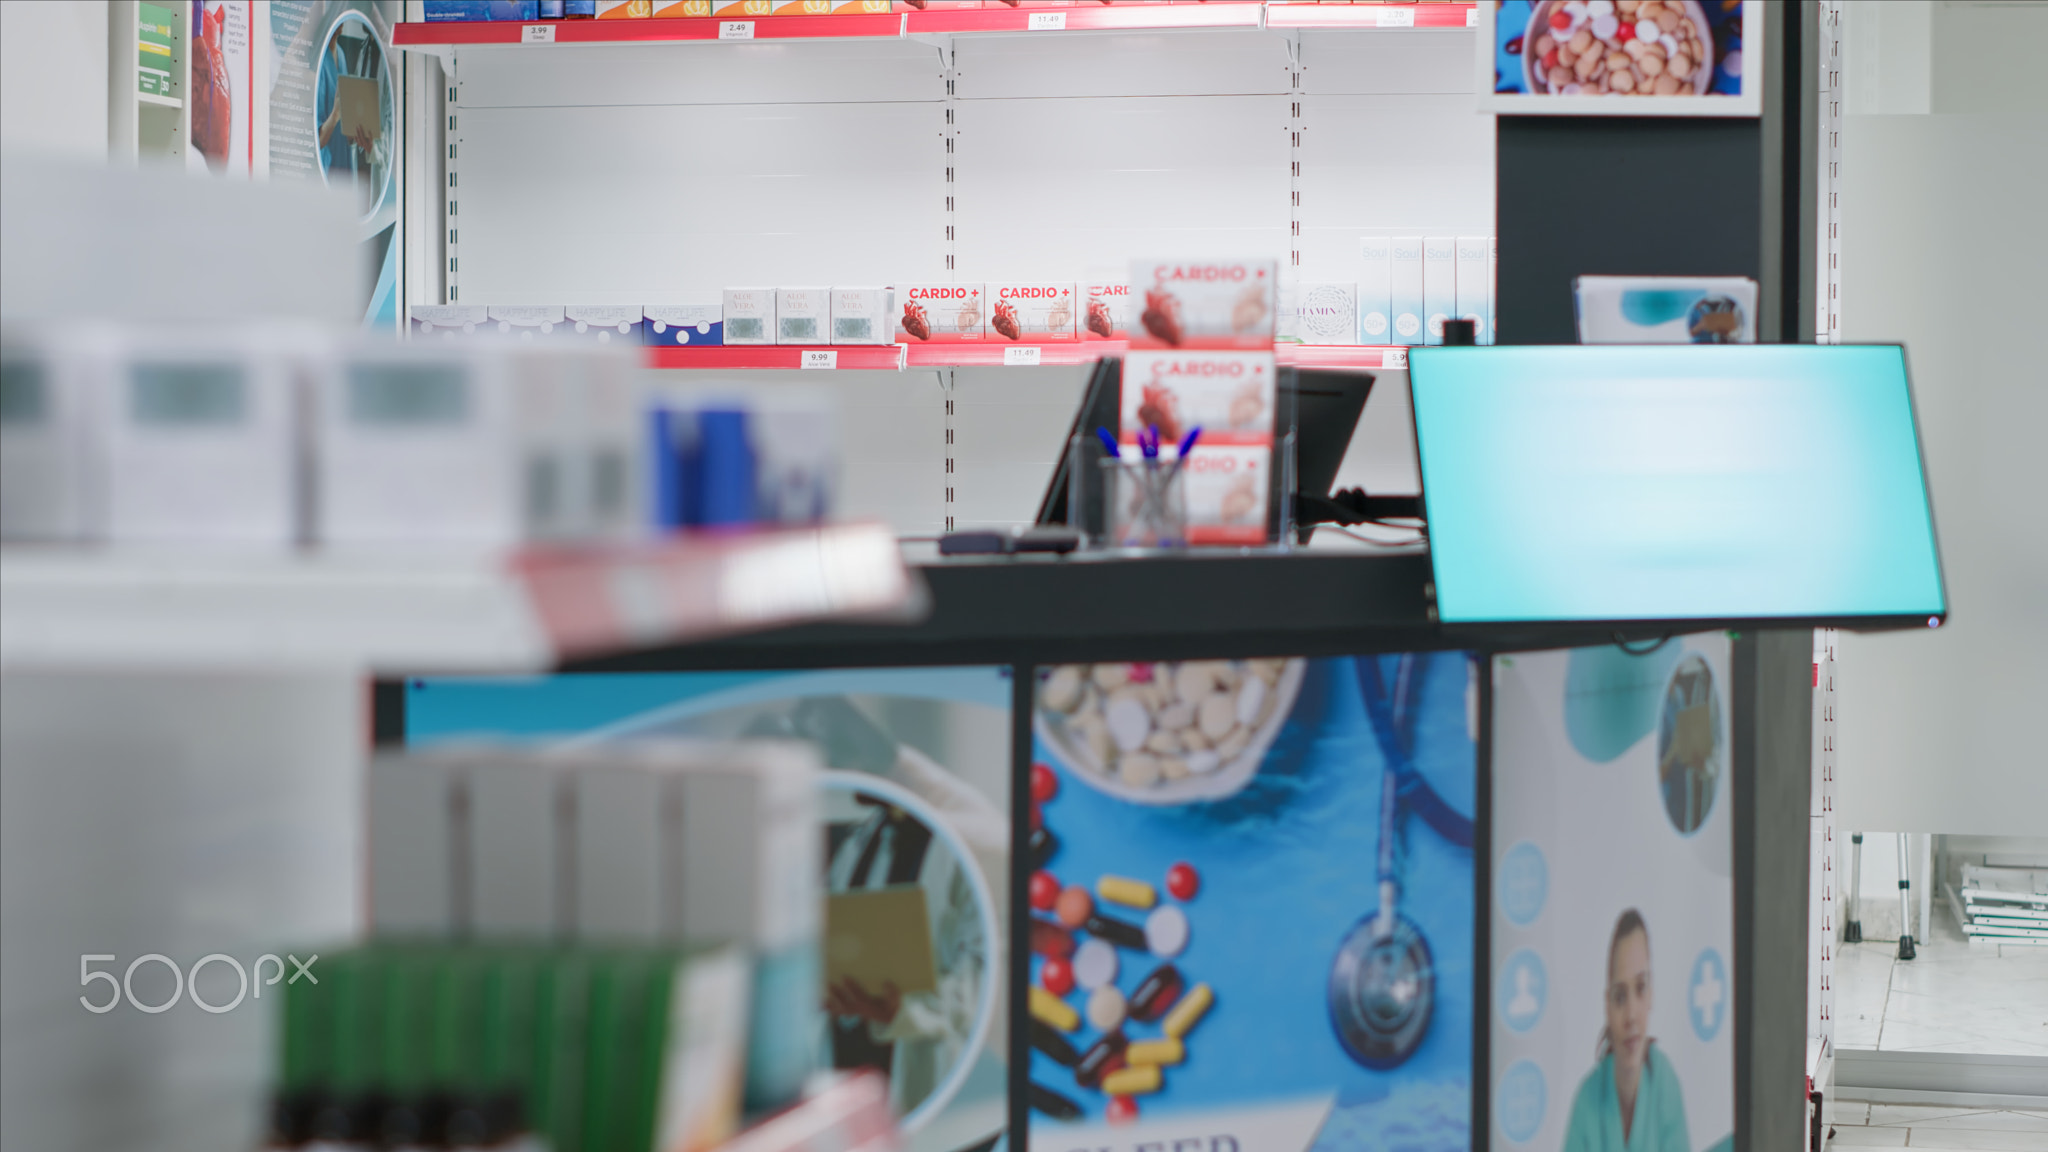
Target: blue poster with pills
[
  {"x": 1612, "y": 932},
  {"x": 1251, "y": 905}
]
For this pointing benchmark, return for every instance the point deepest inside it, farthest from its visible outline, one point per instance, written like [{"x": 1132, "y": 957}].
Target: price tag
[
  {"x": 1472, "y": 17},
  {"x": 1048, "y": 22},
  {"x": 821, "y": 358},
  {"x": 537, "y": 34},
  {"x": 1394, "y": 358},
  {"x": 1402, "y": 16},
  {"x": 735, "y": 29},
  {"x": 1023, "y": 357}
]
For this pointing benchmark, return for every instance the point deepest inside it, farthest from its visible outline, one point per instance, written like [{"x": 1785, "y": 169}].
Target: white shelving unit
[{"x": 624, "y": 162}]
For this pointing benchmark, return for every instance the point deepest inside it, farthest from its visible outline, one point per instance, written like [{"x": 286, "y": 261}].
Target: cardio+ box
[
  {"x": 1034, "y": 311},
  {"x": 940, "y": 313},
  {"x": 1204, "y": 303}
]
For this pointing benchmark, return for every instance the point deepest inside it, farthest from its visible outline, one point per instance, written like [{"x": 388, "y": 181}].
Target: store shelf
[
  {"x": 1301, "y": 15},
  {"x": 994, "y": 354},
  {"x": 462, "y": 34},
  {"x": 887, "y": 357},
  {"x": 421, "y": 611},
  {"x": 1342, "y": 356},
  {"x": 159, "y": 101},
  {"x": 939, "y": 22},
  {"x": 1092, "y": 18}
]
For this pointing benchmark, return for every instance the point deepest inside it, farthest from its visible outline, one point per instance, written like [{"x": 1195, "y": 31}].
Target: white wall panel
[
  {"x": 767, "y": 72},
  {"x": 1381, "y": 458},
  {"x": 1232, "y": 63},
  {"x": 1422, "y": 164},
  {"x": 1050, "y": 188},
  {"x": 1362, "y": 63},
  {"x": 625, "y": 205},
  {"x": 1009, "y": 428}
]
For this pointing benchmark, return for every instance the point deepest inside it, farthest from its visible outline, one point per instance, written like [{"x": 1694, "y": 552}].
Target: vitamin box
[
  {"x": 1327, "y": 314},
  {"x": 699, "y": 322},
  {"x": 604, "y": 323},
  {"x": 624, "y": 9},
  {"x": 682, "y": 8},
  {"x": 863, "y": 316},
  {"x": 1375, "y": 290},
  {"x": 1439, "y": 285},
  {"x": 750, "y": 316},
  {"x": 448, "y": 320},
  {"x": 1406, "y": 287},
  {"x": 940, "y": 313},
  {"x": 803, "y": 315},
  {"x": 1033, "y": 311},
  {"x": 732, "y": 8},
  {"x": 1473, "y": 252},
  {"x": 1230, "y": 395},
  {"x": 1108, "y": 314},
  {"x": 1204, "y": 304}
]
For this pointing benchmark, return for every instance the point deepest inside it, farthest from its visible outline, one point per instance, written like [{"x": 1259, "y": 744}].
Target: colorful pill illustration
[
  {"x": 1055, "y": 1011},
  {"x": 1166, "y": 932},
  {"x": 1057, "y": 975},
  {"x": 1185, "y": 1013},
  {"x": 1121, "y": 933},
  {"x": 1156, "y": 993},
  {"x": 1053, "y": 1104},
  {"x": 1134, "y": 1080},
  {"x": 1045, "y": 890},
  {"x": 1102, "y": 1057},
  {"x": 1154, "y": 1052},
  {"x": 1182, "y": 881},
  {"x": 1074, "y": 906},
  {"x": 1049, "y": 939},
  {"x": 1041, "y": 848},
  {"x": 1050, "y": 1042},
  {"x": 1121, "y": 1110},
  {"x": 1106, "y": 1007},
  {"x": 1126, "y": 891},
  {"x": 1045, "y": 784},
  {"x": 1095, "y": 964}
]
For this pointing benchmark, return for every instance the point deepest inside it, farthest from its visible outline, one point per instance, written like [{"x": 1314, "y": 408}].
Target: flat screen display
[{"x": 1674, "y": 483}]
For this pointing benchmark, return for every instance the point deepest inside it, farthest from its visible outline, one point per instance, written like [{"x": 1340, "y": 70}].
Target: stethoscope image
[{"x": 1383, "y": 981}]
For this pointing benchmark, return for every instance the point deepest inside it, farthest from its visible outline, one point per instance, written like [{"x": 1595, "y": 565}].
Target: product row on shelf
[
  {"x": 473, "y": 11},
  {"x": 1407, "y": 287}
]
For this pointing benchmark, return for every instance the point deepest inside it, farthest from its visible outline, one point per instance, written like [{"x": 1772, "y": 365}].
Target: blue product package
[
  {"x": 551, "y": 9},
  {"x": 690, "y": 325},
  {"x": 724, "y": 472},
  {"x": 458, "y": 11},
  {"x": 665, "y": 469},
  {"x": 581, "y": 8},
  {"x": 515, "y": 9}
]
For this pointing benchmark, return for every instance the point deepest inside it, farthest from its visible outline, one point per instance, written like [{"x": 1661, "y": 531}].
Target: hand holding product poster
[{"x": 1613, "y": 900}]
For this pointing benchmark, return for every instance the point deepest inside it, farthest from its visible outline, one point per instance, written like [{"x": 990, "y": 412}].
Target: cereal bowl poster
[
  {"x": 1250, "y": 905},
  {"x": 1621, "y": 57}
]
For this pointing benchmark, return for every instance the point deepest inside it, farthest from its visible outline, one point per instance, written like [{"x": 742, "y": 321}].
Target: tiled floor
[
  {"x": 1917, "y": 1126},
  {"x": 1952, "y": 998}
]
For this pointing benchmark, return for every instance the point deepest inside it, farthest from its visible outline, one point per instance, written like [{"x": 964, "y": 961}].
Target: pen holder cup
[{"x": 1145, "y": 504}]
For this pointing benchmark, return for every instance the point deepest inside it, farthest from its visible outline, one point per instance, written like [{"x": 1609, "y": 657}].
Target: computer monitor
[{"x": 1688, "y": 484}]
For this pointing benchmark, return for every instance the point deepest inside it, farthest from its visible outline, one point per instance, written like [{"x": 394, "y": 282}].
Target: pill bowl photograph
[
  {"x": 1587, "y": 47},
  {"x": 1166, "y": 733}
]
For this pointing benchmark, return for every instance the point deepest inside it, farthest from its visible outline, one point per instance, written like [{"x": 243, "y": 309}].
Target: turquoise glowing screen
[{"x": 1673, "y": 483}]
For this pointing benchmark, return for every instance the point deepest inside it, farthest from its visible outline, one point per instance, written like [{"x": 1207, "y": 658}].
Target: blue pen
[
  {"x": 1187, "y": 442},
  {"x": 1108, "y": 443}
]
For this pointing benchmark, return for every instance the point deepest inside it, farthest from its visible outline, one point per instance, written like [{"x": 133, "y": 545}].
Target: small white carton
[
  {"x": 1376, "y": 291},
  {"x": 516, "y": 839},
  {"x": 863, "y": 316},
  {"x": 750, "y": 315},
  {"x": 413, "y": 806},
  {"x": 50, "y": 449},
  {"x": 1327, "y": 313},
  {"x": 803, "y": 315},
  {"x": 604, "y": 323},
  {"x": 1439, "y": 285},
  {"x": 1406, "y": 255},
  {"x": 529, "y": 322},
  {"x": 448, "y": 321},
  {"x": 1473, "y": 252},
  {"x": 618, "y": 849}
]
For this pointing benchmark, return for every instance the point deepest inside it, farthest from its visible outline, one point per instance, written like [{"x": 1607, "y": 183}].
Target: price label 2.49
[{"x": 736, "y": 30}]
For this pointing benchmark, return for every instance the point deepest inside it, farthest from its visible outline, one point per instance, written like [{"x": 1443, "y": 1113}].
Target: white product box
[
  {"x": 481, "y": 445},
  {"x": 412, "y": 812},
  {"x": 1492, "y": 289},
  {"x": 1228, "y": 394},
  {"x": 51, "y": 456},
  {"x": 749, "y": 315},
  {"x": 1034, "y": 312},
  {"x": 940, "y": 313},
  {"x": 803, "y": 315},
  {"x": 863, "y": 316},
  {"x": 621, "y": 809},
  {"x": 1473, "y": 254},
  {"x": 1439, "y": 285},
  {"x": 202, "y": 436},
  {"x": 1665, "y": 309},
  {"x": 605, "y": 323},
  {"x": 1204, "y": 304},
  {"x": 447, "y": 321},
  {"x": 698, "y": 319},
  {"x": 528, "y": 322},
  {"x": 1108, "y": 314},
  {"x": 1376, "y": 291},
  {"x": 1286, "y": 319},
  {"x": 1327, "y": 313},
  {"x": 516, "y": 839},
  {"x": 1407, "y": 289}
]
